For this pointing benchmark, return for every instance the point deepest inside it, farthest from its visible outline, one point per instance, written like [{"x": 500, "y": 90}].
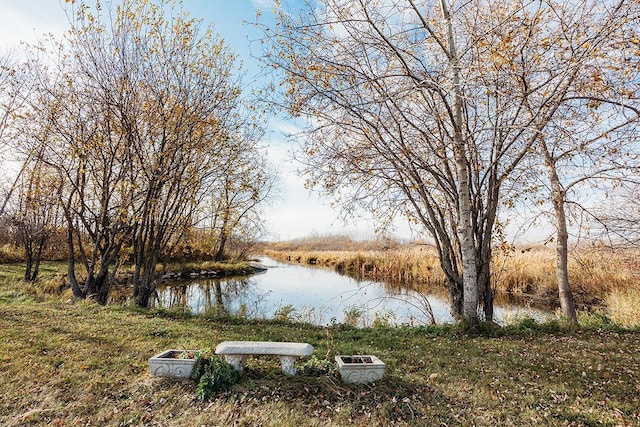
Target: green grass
[
  {"x": 80, "y": 363},
  {"x": 15, "y": 271}
]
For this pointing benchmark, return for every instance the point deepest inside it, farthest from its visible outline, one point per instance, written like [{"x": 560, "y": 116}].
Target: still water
[{"x": 313, "y": 295}]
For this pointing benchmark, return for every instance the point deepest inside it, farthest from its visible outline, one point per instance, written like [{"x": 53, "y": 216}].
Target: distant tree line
[{"x": 132, "y": 140}]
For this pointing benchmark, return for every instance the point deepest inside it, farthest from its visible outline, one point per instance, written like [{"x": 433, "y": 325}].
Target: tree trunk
[
  {"x": 484, "y": 227},
  {"x": 102, "y": 286},
  {"x": 484, "y": 282},
  {"x": 144, "y": 296},
  {"x": 449, "y": 265},
  {"x": 567, "y": 303},
  {"x": 71, "y": 268},
  {"x": 28, "y": 257},
  {"x": 146, "y": 280},
  {"x": 38, "y": 256},
  {"x": 465, "y": 227},
  {"x": 455, "y": 294},
  {"x": 222, "y": 241}
]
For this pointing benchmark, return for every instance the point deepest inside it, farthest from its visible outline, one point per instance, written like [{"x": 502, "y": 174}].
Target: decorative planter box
[
  {"x": 360, "y": 369},
  {"x": 173, "y": 363}
]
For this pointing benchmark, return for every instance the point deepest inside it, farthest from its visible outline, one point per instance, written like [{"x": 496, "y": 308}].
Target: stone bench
[{"x": 236, "y": 352}]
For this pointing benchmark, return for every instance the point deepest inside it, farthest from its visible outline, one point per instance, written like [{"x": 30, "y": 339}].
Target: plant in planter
[
  {"x": 360, "y": 369},
  {"x": 173, "y": 363}
]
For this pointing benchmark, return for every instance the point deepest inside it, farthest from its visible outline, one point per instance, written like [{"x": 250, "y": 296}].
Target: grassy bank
[
  {"x": 52, "y": 281},
  {"x": 82, "y": 364},
  {"x": 601, "y": 279}
]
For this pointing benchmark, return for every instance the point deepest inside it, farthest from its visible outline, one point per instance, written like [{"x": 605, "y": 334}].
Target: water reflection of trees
[{"x": 226, "y": 296}]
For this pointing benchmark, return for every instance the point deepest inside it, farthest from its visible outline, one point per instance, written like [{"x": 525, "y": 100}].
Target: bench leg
[
  {"x": 237, "y": 360},
  {"x": 288, "y": 364}
]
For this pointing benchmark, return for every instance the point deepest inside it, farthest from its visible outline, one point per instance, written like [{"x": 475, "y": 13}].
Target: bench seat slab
[
  {"x": 265, "y": 347},
  {"x": 236, "y": 352}
]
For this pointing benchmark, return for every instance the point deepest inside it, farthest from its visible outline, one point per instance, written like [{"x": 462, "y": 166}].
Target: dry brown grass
[
  {"x": 333, "y": 243},
  {"x": 623, "y": 306},
  {"x": 417, "y": 267}
]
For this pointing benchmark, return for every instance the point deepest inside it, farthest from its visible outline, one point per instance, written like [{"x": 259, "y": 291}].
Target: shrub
[
  {"x": 213, "y": 376},
  {"x": 596, "y": 320},
  {"x": 353, "y": 316},
  {"x": 10, "y": 254}
]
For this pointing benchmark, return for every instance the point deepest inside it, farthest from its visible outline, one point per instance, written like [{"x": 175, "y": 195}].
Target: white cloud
[
  {"x": 262, "y": 4},
  {"x": 28, "y": 21}
]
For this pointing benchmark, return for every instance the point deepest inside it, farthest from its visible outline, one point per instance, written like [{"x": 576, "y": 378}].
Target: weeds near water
[
  {"x": 354, "y": 316},
  {"x": 285, "y": 313}
]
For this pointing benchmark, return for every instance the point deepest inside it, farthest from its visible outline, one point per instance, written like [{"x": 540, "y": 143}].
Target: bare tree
[
  {"x": 618, "y": 218},
  {"x": 424, "y": 108},
  {"x": 235, "y": 198},
  {"x": 591, "y": 141},
  {"x": 132, "y": 116},
  {"x": 11, "y": 84},
  {"x": 186, "y": 103},
  {"x": 37, "y": 214},
  {"x": 13, "y": 88},
  {"x": 78, "y": 140}
]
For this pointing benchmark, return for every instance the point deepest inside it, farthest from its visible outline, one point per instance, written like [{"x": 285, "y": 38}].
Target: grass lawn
[{"x": 70, "y": 364}]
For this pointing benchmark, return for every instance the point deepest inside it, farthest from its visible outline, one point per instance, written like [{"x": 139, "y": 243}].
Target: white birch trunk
[{"x": 465, "y": 226}]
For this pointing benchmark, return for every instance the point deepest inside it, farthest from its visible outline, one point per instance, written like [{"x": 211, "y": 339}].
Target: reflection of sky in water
[{"x": 318, "y": 296}]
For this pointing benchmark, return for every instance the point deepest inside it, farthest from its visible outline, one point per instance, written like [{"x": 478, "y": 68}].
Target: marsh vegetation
[{"x": 604, "y": 278}]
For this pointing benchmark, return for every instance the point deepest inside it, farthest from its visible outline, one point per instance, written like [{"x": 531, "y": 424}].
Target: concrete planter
[
  {"x": 173, "y": 363},
  {"x": 360, "y": 369}
]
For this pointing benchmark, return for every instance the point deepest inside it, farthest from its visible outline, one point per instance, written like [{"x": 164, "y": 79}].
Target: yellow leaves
[
  {"x": 597, "y": 78},
  {"x": 545, "y": 43}
]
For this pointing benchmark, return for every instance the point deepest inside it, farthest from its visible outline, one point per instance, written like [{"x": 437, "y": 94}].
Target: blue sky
[{"x": 298, "y": 213}]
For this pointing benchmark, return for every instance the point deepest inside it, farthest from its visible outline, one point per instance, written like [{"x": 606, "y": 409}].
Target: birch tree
[
  {"x": 590, "y": 145},
  {"x": 424, "y": 108}
]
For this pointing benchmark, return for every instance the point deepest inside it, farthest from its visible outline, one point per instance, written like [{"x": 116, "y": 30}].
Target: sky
[{"x": 297, "y": 213}]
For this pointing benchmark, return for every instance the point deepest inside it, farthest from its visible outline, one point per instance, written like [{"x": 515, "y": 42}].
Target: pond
[{"x": 314, "y": 295}]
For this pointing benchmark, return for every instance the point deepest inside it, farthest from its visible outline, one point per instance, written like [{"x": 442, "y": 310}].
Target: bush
[
  {"x": 11, "y": 254},
  {"x": 213, "y": 376}
]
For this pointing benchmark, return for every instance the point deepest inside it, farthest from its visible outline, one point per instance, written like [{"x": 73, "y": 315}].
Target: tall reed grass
[
  {"x": 601, "y": 278},
  {"x": 416, "y": 268},
  {"x": 623, "y": 306}
]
